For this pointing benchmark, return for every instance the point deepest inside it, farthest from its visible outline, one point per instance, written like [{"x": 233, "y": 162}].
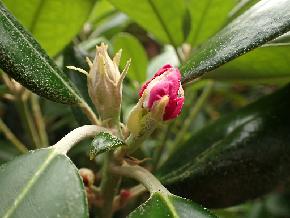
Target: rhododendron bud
[
  {"x": 166, "y": 82},
  {"x": 161, "y": 98},
  {"x": 105, "y": 83}
]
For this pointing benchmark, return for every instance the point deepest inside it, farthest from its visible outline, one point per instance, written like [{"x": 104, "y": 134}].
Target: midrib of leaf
[
  {"x": 169, "y": 204},
  {"x": 30, "y": 183},
  {"x": 163, "y": 25},
  {"x": 44, "y": 60},
  {"x": 200, "y": 23},
  {"x": 36, "y": 15}
]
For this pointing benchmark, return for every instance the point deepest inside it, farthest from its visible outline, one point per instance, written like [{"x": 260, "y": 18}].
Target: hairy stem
[
  {"x": 75, "y": 136},
  {"x": 142, "y": 175},
  {"x": 12, "y": 138}
]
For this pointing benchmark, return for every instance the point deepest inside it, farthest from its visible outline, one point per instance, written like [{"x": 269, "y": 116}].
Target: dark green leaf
[
  {"x": 239, "y": 157},
  {"x": 32, "y": 185},
  {"x": 161, "y": 205},
  {"x": 73, "y": 56},
  {"x": 131, "y": 48},
  {"x": 265, "y": 64},
  {"x": 207, "y": 17},
  {"x": 23, "y": 59},
  {"x": 104, "y": 142},
  {"x": 157, "y": 17},
  {"x": 262, "y": 23},
  {"x": 53, "y": 23}
]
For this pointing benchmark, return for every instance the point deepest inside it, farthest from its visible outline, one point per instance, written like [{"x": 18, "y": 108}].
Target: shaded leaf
[
  {"x": 262, "y": 23},
  {"x": 161, "y": 205},
  {"x": 131, "y": 48},
  {"x": 104, "y": 142},
  {"x": 164, "y": 22},
  {"x": 207, "y": 17},
  {"x": 53, "y": 23},
  {"x": 265, "y": 64},
  {"x": 24, "y": 60},
  {"x": 239, "y": 157},
  {"x": 38, "y": 187}
]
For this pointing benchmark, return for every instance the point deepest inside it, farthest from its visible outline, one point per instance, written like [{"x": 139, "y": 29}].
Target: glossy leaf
[
  {"x": 262, "y": 23},
  {"x": 32, "y": 185},
  {"x": 207, "y": 17},
  {"x": 265, "y": 64},
  {"x": 239, "y": 157},
  {"x": 52, "y": 22},
  {"x": 164, "y": 22},
  {"x": 161, "y": 205},
  {"x": 24, "y": 60},
  {"x": 73, "y": 56},
  {"x": 132, "y": 48},
  {"x": 104, "y": 142}
]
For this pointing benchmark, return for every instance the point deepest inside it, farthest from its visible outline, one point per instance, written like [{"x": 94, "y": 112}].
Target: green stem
[
  {"x": 27, "y": 120},
  {"x": 192, "y": 114},
  {"x": 39, "y": 121},
  {"x": 109, "y": 186},
  {"x": 12, "y": 138},
  {"x": 166, "y": 30}
]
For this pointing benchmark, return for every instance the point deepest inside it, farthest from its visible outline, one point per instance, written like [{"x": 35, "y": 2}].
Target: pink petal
[
  {"x": 159, "y": 72},
  {"x": 173, "y": 109}
]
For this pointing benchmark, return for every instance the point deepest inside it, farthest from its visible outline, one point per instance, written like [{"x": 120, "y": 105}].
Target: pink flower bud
[{"x": 166, "y": 82}]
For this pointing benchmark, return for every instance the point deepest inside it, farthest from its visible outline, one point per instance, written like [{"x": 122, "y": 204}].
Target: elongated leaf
[
  {"x": 157, "y": 17},
  {"x": 265, "y": 64},
  {"x": 24, "y": 60},
  {"x": 262, "y": 23},
  {"x": 160, "y": 205},
  {"x": 131, "y": 48},
  {"x": 53, "y": 22},
  {"x": 32, "y": 185},
  {"x": 73, "y": 56},
  {"x": 207, "y": 17},
  {"x": 239, "y": 157},
  {"x": 104, "y": 142}
]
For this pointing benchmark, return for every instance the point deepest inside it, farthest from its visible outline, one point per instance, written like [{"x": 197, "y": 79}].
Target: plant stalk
[
  {"x": 142, "y": 175},
  {"x": 27, "y": 120},
  {"x": 12, "y": 138},
  {"x": 39, "y": 121}
]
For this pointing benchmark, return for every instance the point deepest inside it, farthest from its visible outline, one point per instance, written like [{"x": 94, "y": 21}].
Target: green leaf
[
  {"x": 164, "y": 21},
  {"x": 131, "y": 48},
  {"x": 54, "y": 23},
  {"x": 32, "y": 185},
  {"x": 167, "y": 56},
  {"x": 161, "y": 205},
  {"x": 239, "y": 157},
  {"x": 73, "y": 56},
  {"x": 207, "y": 17},
  {"x": 262, "y": 23},
  {"x": 104, "y": 142},
  {"x": 23, "y": 59},
  {"x": 265, "y": 64}
]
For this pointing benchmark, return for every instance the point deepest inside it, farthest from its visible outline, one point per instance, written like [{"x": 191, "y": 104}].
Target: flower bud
[
  {"x": 105, "y": 83},
  {"x": 161, "y": 98},
  {"x": 166, "y": 82}
]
